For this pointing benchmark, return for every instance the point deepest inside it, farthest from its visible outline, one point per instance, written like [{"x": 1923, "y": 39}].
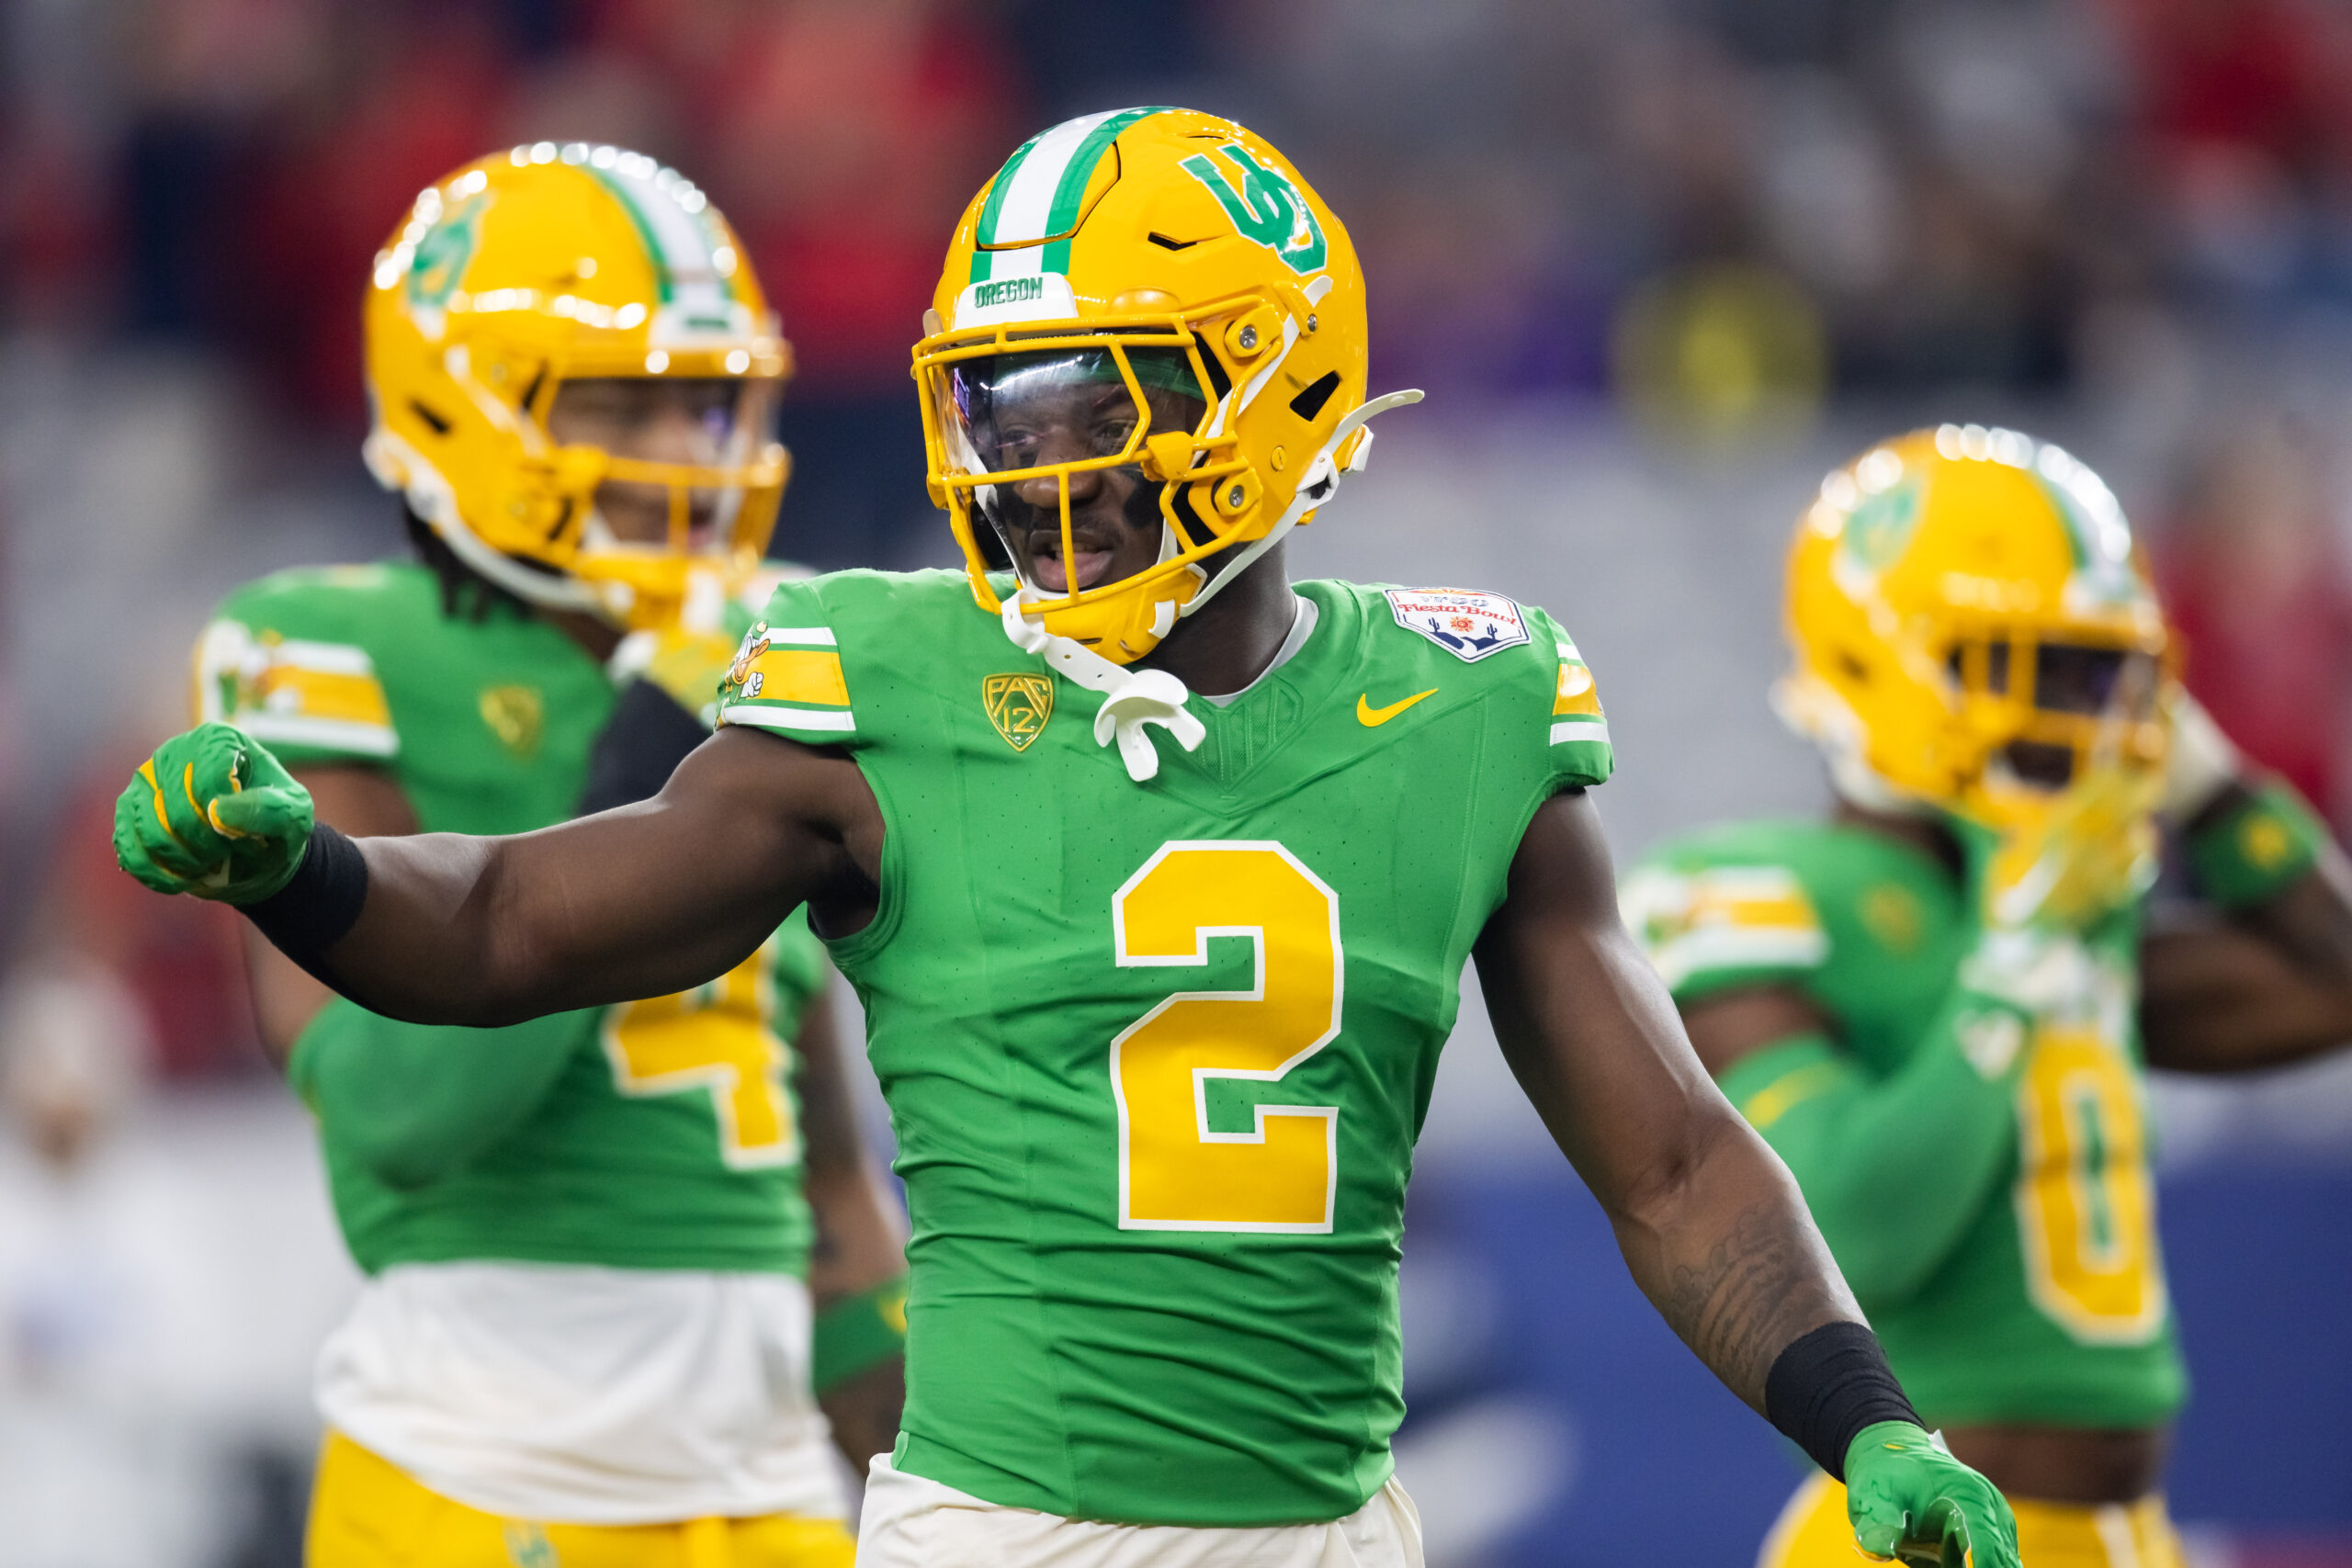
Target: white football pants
[{"x": 911, "y": 1522}]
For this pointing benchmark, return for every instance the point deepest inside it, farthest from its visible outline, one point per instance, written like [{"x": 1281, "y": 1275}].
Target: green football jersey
[
  {"x": 2052, "y": 1307},
  {"x": 1157, "y": 1052},
  {"x": 667, "y": 1136}
]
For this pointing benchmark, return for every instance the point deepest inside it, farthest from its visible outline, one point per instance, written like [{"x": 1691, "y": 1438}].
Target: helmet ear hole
[
  {"x": 1310, "y": 403},
  {"x": 1852, "y": 668}
]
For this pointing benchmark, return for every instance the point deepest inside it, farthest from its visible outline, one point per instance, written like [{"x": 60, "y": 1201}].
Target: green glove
[
  {"x": 212, "y": 814},
  {"x": 1908, "y": 1499}
]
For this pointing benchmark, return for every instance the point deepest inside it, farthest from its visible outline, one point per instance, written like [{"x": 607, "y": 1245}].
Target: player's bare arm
[
  {"x": 2262, "y": 986},
  {"x": 626, "y": 904},
  {"x": 364, "y": 802},
  {"x": 1709, "y": 1221}
]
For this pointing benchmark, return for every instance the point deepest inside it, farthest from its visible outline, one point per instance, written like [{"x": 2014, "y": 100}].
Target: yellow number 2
[
  {"x": 1174, "y": 1173},
  {"x": 719, "y": 1037},
  {"x": 2086, "y": 1206}
]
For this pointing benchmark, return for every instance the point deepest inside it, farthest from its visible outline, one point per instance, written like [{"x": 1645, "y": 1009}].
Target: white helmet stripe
[
  {"x": 672, "y": 217},
  {"x": 1038, "y": 192}
]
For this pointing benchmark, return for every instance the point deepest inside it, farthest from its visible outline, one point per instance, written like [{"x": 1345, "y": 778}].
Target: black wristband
[
  {"x": 1828, "y": 1385},
  {"x": 314, "y": 911}
]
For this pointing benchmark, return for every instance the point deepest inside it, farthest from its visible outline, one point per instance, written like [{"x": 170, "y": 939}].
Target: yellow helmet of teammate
[
  {"x": 1180, "y": 258},
  {"x": 1973, "y": 627},
  {"x": 550, "y": 265}
]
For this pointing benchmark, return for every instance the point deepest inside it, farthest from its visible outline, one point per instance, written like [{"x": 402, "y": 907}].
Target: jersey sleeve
[
  {"x": 1577, "y": 730},
  {"x": 280, "y": 663},
  {"x": 787, "y": 673},
  {"x": 1711, "y": 925}
]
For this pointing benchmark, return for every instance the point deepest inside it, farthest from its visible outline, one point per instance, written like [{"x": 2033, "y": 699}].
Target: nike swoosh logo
[{"x": 1371, "y": 716}]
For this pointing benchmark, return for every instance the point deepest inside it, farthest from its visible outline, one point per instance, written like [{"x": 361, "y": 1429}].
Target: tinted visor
[
  {"x": 681, "y": 452},
  {"x": 698, "y": 420},
  {"x": 2076, "y": 689},
  {"x": 1014, "y": 412},
  {"x": 2068, "y": 678}
]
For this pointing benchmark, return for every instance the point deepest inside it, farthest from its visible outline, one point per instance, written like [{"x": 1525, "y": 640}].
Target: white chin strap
[{"x": 1132, "y": 699}]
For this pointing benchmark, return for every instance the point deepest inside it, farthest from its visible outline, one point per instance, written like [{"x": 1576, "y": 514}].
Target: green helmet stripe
[
  {"x": 1037, "y": 194},
  {"x": 992, "y": 210},
  {"x": 620, "y": 192},
  {"x": 2077, "y": 529},
  {"x": 1076, "y": 176}
]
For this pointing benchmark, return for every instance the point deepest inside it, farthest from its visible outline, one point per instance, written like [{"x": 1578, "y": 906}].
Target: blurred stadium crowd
[{"x": 1714, "y": 242}]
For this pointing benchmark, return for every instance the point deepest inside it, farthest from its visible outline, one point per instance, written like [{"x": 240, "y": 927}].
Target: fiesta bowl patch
[{"x": 1467, "y": 625}]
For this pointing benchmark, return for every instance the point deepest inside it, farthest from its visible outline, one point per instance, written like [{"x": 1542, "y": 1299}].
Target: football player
[
  {"x": 586, "y": 1331},
  {"x": 1157, "y": 875},
  {"x": 1936, "y": 1005}
]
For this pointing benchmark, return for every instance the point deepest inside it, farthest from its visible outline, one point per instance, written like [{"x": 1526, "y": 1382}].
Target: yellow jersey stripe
[
  {"x": 797, "y": 675},
  {"x": 1576, "y": 692},
  {"x": 285, "y": 689},
  {"x": 1755, "y": 917}
]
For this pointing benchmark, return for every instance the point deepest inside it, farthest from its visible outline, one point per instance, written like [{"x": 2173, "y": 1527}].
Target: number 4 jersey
[
  {"x": 2050, "y": 1306},
  {"x": 586, "y": 1236},
  {"x": 1157, "y": 1053},
  {"x": 667, "y": 1138}
]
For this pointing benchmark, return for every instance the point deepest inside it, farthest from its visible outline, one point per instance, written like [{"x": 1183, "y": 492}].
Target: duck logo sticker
[
  {"x": 1467, "y": 625},
  {"x": 1018, "y": 705},
  {"x": 755, "y": 642}
]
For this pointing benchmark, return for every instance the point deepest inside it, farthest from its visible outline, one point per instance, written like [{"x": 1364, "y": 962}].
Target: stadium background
[{"x": 1659, "y": 263}]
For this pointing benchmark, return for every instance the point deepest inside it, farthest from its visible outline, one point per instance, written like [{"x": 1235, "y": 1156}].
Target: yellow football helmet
[
  {"x": 531, "y": 268},
  {"x": 1974, "y": 629},
  {"x": 1181, "y": 256}
]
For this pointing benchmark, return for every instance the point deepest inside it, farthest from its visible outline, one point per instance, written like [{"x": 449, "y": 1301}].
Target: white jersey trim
[
  {"x": 589, "y": 1395},
  {"x": 767, "y": 716},
  {"x": 326, "y": 734},
  {"x": 1581, "y": 730}
]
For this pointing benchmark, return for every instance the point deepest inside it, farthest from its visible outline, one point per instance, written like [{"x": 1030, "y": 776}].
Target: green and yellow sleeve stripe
[
  {"x": 294, "y": 692},
  {"x": 789, "y": 681},
  {"x": 1743, "y": 917},
  {"x": 1576, "y": 706}
]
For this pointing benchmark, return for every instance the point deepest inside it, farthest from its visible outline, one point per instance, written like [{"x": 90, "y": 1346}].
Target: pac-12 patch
[{"x": 1467, "y": 625}]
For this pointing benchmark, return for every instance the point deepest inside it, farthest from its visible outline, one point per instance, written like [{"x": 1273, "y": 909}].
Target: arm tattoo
[{"x": 1757, "y": 1290}]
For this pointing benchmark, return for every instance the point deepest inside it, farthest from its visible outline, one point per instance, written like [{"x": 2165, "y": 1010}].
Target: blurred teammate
[
  {"x": 1936, "y": 1004},
  {"x": 586, "y": 1332},
  {"x": 1157, "y": 1014}
]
